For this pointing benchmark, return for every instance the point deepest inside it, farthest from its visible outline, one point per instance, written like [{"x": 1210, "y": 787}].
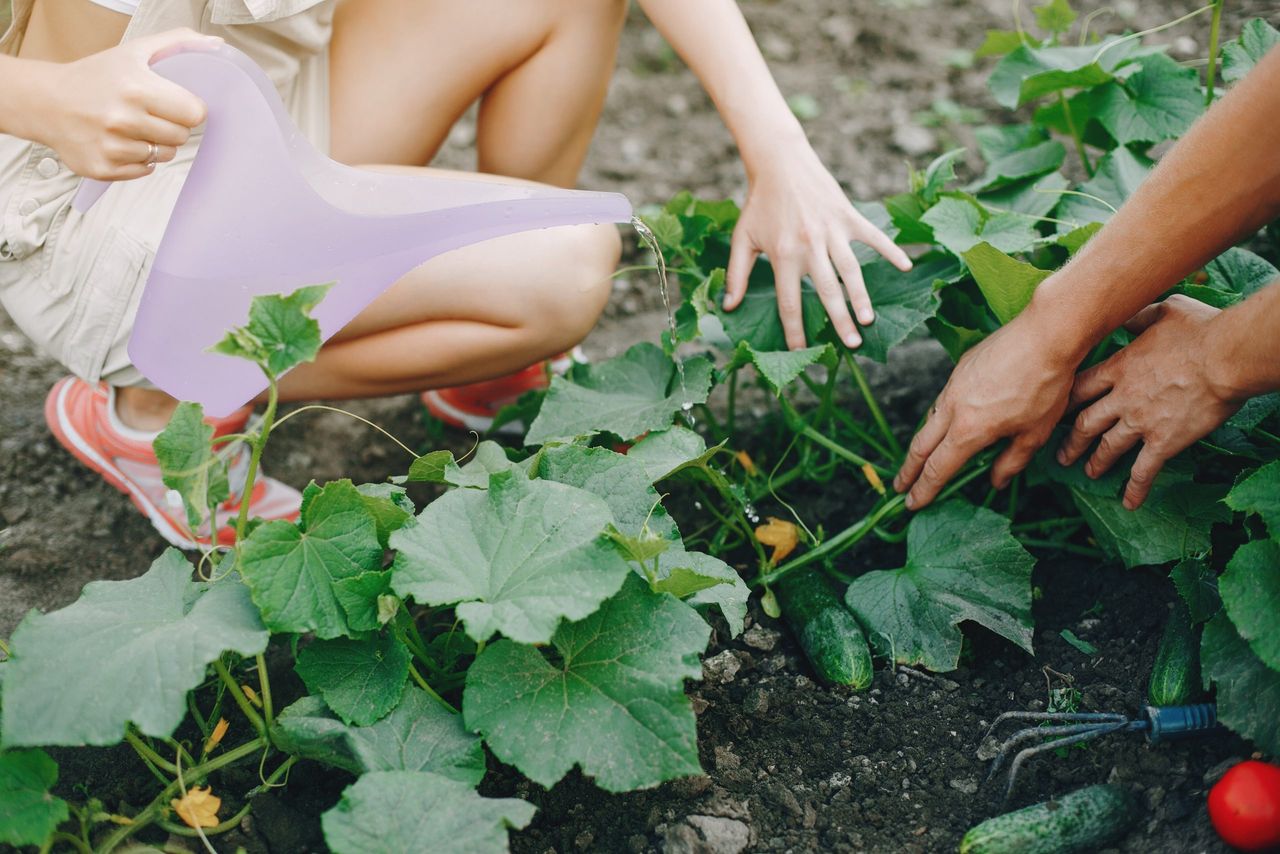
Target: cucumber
[
  {"x": 829, "y": 634},
  {"x": 1175, "y": 675},
  {"x": 1084, "y": 820}
]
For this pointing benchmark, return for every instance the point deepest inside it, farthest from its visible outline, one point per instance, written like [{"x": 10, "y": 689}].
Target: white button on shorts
[
  {"x": 28, "y": 207},
  {"x": 47, "y": 167}
]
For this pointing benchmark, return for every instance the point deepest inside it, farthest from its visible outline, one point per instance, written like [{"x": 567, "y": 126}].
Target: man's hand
[
  {"x": 1160, "y": 391},
  {"x": 1013, "y": 385}
]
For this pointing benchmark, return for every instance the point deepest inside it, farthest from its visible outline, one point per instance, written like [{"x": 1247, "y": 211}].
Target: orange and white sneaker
[
  {"x": 83, "y": 418},
  {"x": 474, "y": 406}
]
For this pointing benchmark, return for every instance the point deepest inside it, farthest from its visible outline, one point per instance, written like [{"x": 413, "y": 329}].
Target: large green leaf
[
  {"x": 670, "y": 451},
  {"x": 726, "y": 590},
  {"x": 291, "y": 568},
  {"x": 124, "y": 652},
  {"x": 412, "y": 812},
  {"x": 779, "y": 368},
  {"x": 1248, "y": 690},
  {"x": 1028, "y": 73},
  {"x": 622, "y": 482},
  {"x": 638, "y": 391},
  {"x": 28, "y": 813},
  {"x": 1032, "y": 197},
  {"x": 188, "y": 464},
  {"x": 1240, "y": 271},
  {"x": 1021, "y": 164},
  {"x": 756, "y": 319},
  {"x": 903, "y": 301},
  {"x": 1007, "y": 283},
  {"x": 419, "y": 735},
  {"x": 1259, "y": 493},
  {"x": 1250, "y": 589},
  {"x": 366, "y": 599},
  {"x": 489, "y": 459},
  {"x": 361, "y": 680},
  {"x": 281, "y": 332},
  {"x": 389, "y": 505},
  {"x": 1118, "y": 174},
  {"x": 1240, "y": 56},
  {"x": 1157, "y": 103},
  {"x": 611, "y": 698},
  {"x": 515, "y": 558},
  {"x": 995, "y": 141},
  {"x": 962, "y": 564},
  {"x": 960, "y": 223},
  {"x": 1197, "y": 584}
]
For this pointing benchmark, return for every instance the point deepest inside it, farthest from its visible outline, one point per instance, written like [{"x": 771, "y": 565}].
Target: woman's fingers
[
  {"x": 867, "y": 233},
  {"x": 742, "y": 257},
  {"x": 786, "y": 276},
  {"x": 850, "y": 270},
  {"x": 828, "y": 288}
]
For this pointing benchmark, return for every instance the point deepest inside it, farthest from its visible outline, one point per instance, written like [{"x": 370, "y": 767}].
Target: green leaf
[
  {"x": 418, "y": 735},
  {"x": 430, "y": 468},
  {"x": 1078, "y": 237},
  {"x": 756, "y": 321},
  {"x": 1250, "y": 589},
  {"x": 361, "y": 598},
  {"x": 281, "y": 332},
  {"x": 1021, "y": 164},
  {"x": 611, "y": 700},
  {"x": 1000, "y": 42},
  {"x": 1259, "y": 493},
  {"x": 1081, "y": 645},
  {"x": 188, "y": 464},
  {"x": 670, "y": 451},
  {"x": 1255, "y": 411},
  {"x": 515, "y": 558},
  {"x": 361, "y": 680},
  {"x": 124, "y": 652},
  {"x": 724, "y": 588},
  {"x": 1197, "y": 584},
  {"x": 622, "y": 482},
  {"x": 1056, "y": 16},
  {"x": 1007, "y": 283},
  {"x": 1240, "y": 271},
  {"x": 996, "y": 141},
  {"x": 938, "y": 174},
  {"x": 1257, "y": 37},
  {"x": 638, "y": 391},
  {"x": 1248, "y": 690},
  {"x": 1028, "y": 73},
  {"x": 1035, "y": 197},
  {"x": 291, "y": 568},
  {"x": 960, "y": 223},
  {"x": 962, "y": 564},
  {"x": 388, "y": 504},
  {"x": 28, "y": 812},
  {"x": 779, "y": 368},
  {"x": 1157, "y": 103},
  {"x": 489, "y": 459},
  {"x": 956, "y": 340},
  {"x": 1118, "y": 174},
  {"x": 903, "y": 301},
  {"x": 391, "y": 812}
]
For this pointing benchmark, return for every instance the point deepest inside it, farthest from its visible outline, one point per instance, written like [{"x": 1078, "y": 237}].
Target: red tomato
[{"x": 1245, "y": 806}]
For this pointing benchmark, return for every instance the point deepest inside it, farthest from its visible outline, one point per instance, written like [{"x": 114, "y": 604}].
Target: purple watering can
[{"x": 263, "y": 212}]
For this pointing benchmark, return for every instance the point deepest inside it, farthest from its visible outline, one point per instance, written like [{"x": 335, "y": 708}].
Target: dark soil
[{"x": 792, "y": 765}]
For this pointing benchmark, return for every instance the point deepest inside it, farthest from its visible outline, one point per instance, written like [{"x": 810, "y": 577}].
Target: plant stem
[
  {"x": 1083, "y": 551},
  {"x": 876, "y": 413},
  {"x": 264, "y": 688},
  {"x": 241, "y": 700},
  {"x": 803, "y": 428},
  {"x": 863, "y": 436},
  {"x": 73, "y": 841},
  {"x": 426, "y": 686},
  {"x": 1212, "y": 73},
  {"x": 731, "y": 416},
  {"x": 146, "y": 752},
  {"x": 1075, "y": 134},
  {"x": 255, "y": 456}
]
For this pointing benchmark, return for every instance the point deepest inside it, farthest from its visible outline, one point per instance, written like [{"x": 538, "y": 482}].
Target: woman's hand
[
  {"x": 797, "y": 214},
  {"x": 1160, "y": 391},
  {"x": 109, "y": 116}
]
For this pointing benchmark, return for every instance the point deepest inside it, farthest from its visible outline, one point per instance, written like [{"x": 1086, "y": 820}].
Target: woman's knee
[{"x": 565, "y": 307}]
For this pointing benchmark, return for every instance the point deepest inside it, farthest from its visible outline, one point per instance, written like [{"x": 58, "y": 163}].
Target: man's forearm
[
  {"x": 1245, "y": 341},
  {"x": 713, "y": 39},
  {"x": 1220, "y": 183}
]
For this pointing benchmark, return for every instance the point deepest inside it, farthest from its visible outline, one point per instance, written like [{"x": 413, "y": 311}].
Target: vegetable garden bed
[{"x": 583, "y": 660}]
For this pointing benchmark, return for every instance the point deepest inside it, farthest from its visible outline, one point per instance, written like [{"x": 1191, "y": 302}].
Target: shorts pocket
[
  {"x": 108, "y": 288},
  {"x": 231, "y": 12}
]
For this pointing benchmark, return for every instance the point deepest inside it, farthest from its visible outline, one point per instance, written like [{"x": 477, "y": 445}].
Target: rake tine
[
  {"x": 1069, "y": 740},
  {"x": 1035, "y": 734},
  {"x": 1059, "y": 717}
]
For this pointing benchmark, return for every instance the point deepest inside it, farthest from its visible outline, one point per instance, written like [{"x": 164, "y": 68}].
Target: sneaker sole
[
  {"x": 60, "y": 424},
  {"x": 445, "y": 411}
]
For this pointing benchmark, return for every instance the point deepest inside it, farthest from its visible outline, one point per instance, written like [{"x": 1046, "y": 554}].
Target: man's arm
[{"x": 1217, "y": 185}]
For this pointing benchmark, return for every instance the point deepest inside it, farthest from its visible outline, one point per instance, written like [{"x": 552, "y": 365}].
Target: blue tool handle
[{"x": 1167, "y": 722}]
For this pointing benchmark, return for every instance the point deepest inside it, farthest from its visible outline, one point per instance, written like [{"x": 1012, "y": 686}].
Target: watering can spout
[{"x": 263, "y": 212}]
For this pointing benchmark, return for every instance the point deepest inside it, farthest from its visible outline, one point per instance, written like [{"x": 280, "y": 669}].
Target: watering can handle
[{"x": 92, "y": 189}]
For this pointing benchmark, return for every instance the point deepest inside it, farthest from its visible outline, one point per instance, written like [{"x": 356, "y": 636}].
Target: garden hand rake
[{"x": 1160, "y": 723}]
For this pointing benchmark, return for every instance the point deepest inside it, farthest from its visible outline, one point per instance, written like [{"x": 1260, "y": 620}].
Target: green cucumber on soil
[
  {"x": 1084, "y": 820},
  {"x": 1175, "y": 675},
  {"x": 829, "y": 634}
]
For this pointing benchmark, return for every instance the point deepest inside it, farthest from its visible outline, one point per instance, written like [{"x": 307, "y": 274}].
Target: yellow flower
[
  {"x": 252, "y": 695},
  {"x": 780, "y": 534},
  {"x": 198, "y": 807},
  {"x": 215, "y": 737},
  {"x": 873, "y": 478},
  {"x": 748, "y": 464}
]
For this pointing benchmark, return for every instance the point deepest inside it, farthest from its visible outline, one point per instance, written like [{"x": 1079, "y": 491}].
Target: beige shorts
[{"x": 71, "y": 281}]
